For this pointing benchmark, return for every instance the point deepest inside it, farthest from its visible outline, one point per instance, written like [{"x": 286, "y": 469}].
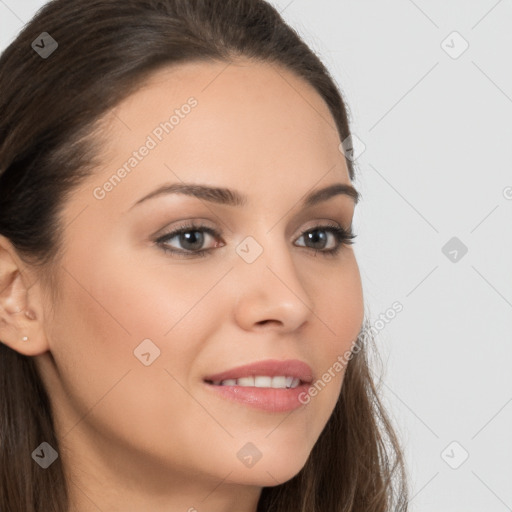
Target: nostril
[{"x": 264, "y": 322}]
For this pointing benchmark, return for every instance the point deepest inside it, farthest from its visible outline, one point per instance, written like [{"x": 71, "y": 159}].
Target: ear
[{"x": 21, "y": 307}]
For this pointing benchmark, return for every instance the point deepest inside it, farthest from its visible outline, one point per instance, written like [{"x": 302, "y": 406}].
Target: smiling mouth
[{"x": 260, "y": 381}]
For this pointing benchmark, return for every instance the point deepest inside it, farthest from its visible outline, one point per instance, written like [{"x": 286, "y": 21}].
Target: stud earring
[{"x": 25, "y": 338}]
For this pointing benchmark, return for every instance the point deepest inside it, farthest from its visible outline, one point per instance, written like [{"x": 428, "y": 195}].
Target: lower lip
[{"x": 267, "y": 399}]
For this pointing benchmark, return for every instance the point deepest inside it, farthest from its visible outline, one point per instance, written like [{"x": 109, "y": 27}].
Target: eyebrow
[{"x": 226, "y": 196}]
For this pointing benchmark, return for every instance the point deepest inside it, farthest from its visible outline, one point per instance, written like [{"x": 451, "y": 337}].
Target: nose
[{"x": 270, "y": 291}]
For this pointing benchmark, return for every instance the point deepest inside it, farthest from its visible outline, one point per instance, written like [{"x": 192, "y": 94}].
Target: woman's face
[{"x": 136, "y": 330}]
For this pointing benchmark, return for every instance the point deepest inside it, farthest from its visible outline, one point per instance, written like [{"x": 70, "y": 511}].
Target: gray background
[{"x": 435, "y": 124}]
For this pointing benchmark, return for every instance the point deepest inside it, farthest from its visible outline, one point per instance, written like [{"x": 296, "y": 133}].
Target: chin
[
  {"x": 263, "y": 479},
  {"x": 276, "y": 471}
]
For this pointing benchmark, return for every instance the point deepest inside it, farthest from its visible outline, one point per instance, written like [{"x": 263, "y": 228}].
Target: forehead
[
  {"x": 252, "y": 124},
  {"x": 232, "y": 87}
]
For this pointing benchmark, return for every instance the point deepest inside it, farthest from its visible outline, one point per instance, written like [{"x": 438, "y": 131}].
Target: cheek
[
  {"x": 340, "y": 314},
  {"x": 105, "y": 313},
  {"x": 113, "y": 314},
  {"x": 340, "y": 305}
]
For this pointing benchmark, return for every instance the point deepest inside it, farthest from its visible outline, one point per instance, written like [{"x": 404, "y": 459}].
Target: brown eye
[{"x": 191, "y": 238}]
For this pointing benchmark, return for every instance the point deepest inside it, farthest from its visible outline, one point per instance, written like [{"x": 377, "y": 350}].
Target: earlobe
[{"x": 20, "y": 319}]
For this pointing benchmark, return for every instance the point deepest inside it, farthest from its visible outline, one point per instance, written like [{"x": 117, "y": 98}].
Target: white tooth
[
  {"x": 245, "y": 381},
  {"x": 279, "y": 381},
  {"x": 263, "y": 381},
  {"x": 216, "y": 382}
]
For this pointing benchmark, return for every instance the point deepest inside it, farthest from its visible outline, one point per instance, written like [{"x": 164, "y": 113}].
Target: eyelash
[{"x": 342, "y": 237}]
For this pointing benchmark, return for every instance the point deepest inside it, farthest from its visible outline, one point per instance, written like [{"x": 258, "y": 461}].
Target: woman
[{"x": 182, "y": 314}]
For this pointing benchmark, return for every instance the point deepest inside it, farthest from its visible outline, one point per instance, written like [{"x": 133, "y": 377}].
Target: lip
[
  {"x": 266, "y": 399},
  {"x": 270, "y": 367}
]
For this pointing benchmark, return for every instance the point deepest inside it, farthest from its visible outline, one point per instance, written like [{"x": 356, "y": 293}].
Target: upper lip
[{"x": 270, "y": 367}]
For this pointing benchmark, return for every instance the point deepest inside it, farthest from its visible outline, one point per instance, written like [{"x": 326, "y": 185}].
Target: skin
[{"x": 136, "y": 437}]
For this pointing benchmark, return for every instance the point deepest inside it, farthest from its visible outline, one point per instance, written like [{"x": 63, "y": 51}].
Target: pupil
[
  {"x": 313, "y": 235},
  {"x": 190, "y": 239}
]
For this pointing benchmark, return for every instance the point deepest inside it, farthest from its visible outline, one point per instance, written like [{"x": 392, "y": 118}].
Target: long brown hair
[{"x": 50, "y": 111}]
